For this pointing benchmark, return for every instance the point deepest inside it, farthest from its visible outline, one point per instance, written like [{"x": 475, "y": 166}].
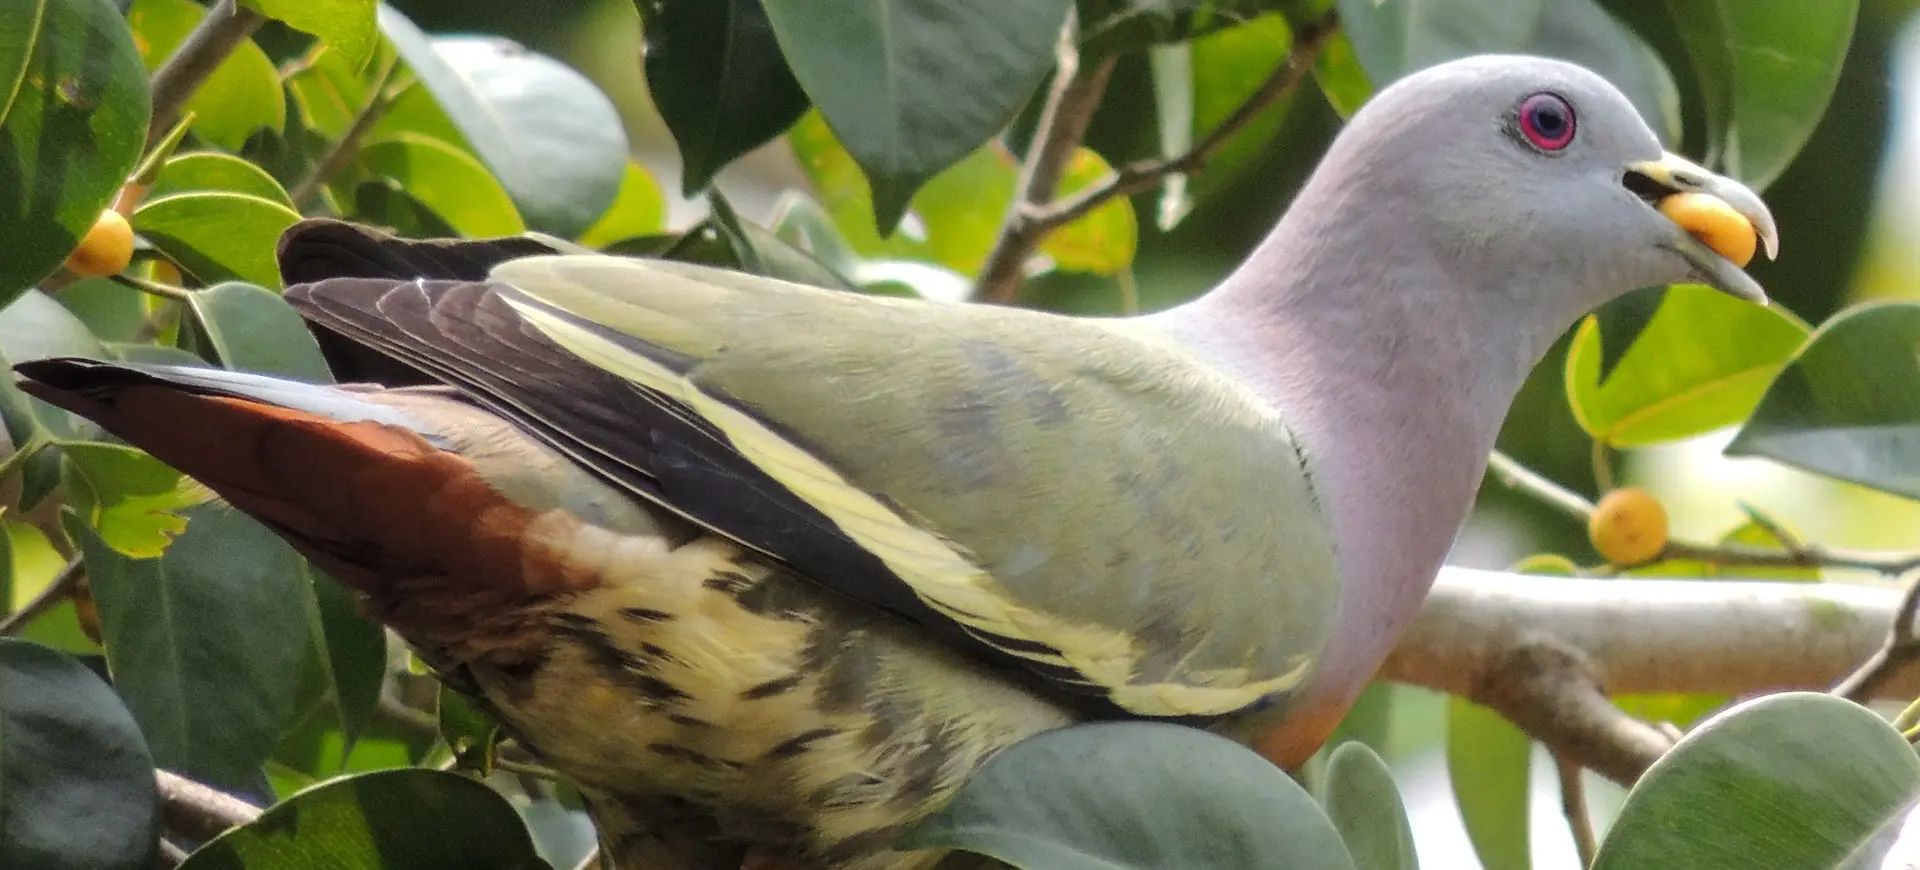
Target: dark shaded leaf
[
  {"x": 242, "y": 95},
  {"x": 253, "y": 329},
  {"x": 762, "y": 253},
  {"x": 1848, "y": 405},
  {"x": 912, "y": 86},
  {"x": 71, "y": 761},
  {"x": 380, "y": 821},
  {"x": 719, "y": 81},
  {"x": 467, "y": 731},
  {"x": 1621, "y": 322},
  {"x": 353, "y": 653},
  {"x": 447, "y": 180},
  {"x": 1134, "y": 795}
]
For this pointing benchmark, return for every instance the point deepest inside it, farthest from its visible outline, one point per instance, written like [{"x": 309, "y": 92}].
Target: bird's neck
[{"x": 1395, "y": 398}]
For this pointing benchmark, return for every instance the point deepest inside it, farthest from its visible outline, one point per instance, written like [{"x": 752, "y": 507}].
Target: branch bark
[
  {"x": 1727, "y": 636},
  {"x": 225, "y": 26},
  {"x": 199, "y": 811}
]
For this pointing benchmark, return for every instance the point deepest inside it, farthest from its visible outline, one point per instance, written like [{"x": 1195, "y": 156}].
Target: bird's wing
[{"x": 1079, "y": 496}]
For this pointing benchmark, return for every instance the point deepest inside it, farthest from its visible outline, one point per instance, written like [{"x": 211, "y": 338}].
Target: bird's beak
[{"x": 1703, "y": 239}]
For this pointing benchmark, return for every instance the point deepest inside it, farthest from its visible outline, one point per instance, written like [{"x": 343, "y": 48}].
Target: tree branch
[
  {"x": 379, "y": 100},
  {"x": 198, "y": 811},
  {"x": 1033, "y": 216},
  {"x": 1552, "y": 692},
  {"x": 1901, "y": 648},
  {"x": 1069, "y": 108},
  {"x": 225, "y": 26}
]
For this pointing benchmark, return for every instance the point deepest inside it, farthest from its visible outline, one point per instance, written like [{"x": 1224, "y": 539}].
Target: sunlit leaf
[
  {"x": 217, "y": 236},
  {"x": 242, "y": 95}
]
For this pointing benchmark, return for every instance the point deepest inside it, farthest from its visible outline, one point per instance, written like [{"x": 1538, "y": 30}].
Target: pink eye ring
[{"x": 1547, "y": 121}]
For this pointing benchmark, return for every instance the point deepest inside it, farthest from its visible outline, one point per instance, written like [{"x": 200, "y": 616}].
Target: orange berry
[
  {"x": 1628, "y": 527},
  {"x": 107, "y": 248},
  {"x": 1711, "y": 220}
]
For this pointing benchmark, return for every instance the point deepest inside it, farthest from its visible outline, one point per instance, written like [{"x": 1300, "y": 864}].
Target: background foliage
[{"x": 885, "y": 153}]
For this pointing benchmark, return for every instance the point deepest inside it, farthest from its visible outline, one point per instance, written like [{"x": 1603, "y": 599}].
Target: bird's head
[{"x": 1530, "y": 176}]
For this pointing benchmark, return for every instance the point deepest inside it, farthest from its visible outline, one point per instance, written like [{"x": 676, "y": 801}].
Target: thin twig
[
  {"x": 1900, "y": 649},
  {"x": 60, "y": 589},
  {"x": 168, "y": 856},
  {"x": 225, "y": 26},
  {"x": 1573, "y": 800},
  {"x": 379, "y": 101},
  {"x": 1069, "y": 108},
  {"x": 1511, "y": 474},
  {"x": 527, "y": 768},
  {"x": 199, "y": 811},
  {"x": 1136, "y": 177},
  {"x": 591, "y": 861},
  {"x": 165, "y": 291}
]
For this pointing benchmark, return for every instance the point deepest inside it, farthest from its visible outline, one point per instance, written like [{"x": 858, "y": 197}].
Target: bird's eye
[{"x": 1547, "y": 121}]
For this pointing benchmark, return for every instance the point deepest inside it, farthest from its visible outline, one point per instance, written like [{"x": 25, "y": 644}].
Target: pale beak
[{"x": 1654, "y": 180}]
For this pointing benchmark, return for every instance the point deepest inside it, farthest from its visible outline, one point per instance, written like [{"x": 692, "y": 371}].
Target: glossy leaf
[
  {"x": 73, "y": 118},
  {"x": 217, "y": 236},
  {"x": 328, "y": 91},
  {"x": 467, "y": 731},
  {"x": 553, "y": 140},
  {"x": 253, "y": 329},
  {"x": 1364, "y": 804},
  {"x": 448, "y": 181},
  {"x": 204, "y": 642},
  {"x": 956, "y": 216},
  {"x": 1766, "y": 70},
  {"x": 1343, "y": 81},
  {"x": 214, "y": 171},
  {"x": 800, "y": 221},
  {"x": 1134, "y": 795},
  {"x": 913, "y": 86},
  {"x": 1228, "y": 67},
  {"x": 762, "y": 253},
  {"x": 129, "y": 498},
  {"x": 242, "y": 95},
  {"x": 71, "y": 761},
  {"x": 719, "y": 81},
  {"x": 383, "y": 202},
  {"x": 346, "y": 26},
  {"x": 638, "y": 209},
  {"x": 353, "y": 652},
  {"x": 1700, "y": 364},
  {"x": 1396, "y": 37},
  {"x": 378, "y": 821},
  {"x": 1488, "y": 762},
  {"x": 1848, "y": 405},
  {"x": 1621, "y": 322},
  {"x": 1797, "y": 780}
]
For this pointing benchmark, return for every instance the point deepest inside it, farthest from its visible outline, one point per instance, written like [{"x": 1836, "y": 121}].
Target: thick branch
[
  {"x": 1550, "y": 690},
  {"x": 1726, "y": 636},
  {"x": 198, "y": 811},
  {"x": 225, "y": 26}
]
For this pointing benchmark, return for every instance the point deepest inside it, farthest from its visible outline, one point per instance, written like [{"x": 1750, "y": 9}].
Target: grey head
[{"x": 1519, "y": 177}]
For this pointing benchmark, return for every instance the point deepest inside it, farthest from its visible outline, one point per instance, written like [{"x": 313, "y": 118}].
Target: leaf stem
[
  {"x": 225, "y": 26},
  {"x": 379, "y": 100},
  {"x": 197, "y": 810},
  {"x": 154, "y": 288},
  {"x": 1519, "y": 478},
  {"x": 58, "y": 590}
]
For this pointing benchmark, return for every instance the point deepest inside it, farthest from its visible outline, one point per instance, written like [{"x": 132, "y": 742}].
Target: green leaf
[
  {"x": 637, "y": 209},
  {"x": 346, "y": 26},
  {"x": 1680, "y": 709},
  {"x": 242, "y": 95},
  {"x": 214, "y": 171},
  {"x": 553, "y": 139},
  {"x": 1364, "y": 804},
  {"x": 73, "y": 118},
  {"x": 913, "y": 86},
  {"x": 447, "y": 180},
  {"x": 800, "y": 221},
  {"x": 1793, "y": 781},
  {"x": 1848, "y": 405},
  {"x": 76, "y": 782},
  {"x": 762, "y": 253},
  {"x": 1488, "y": 761},
  {"x": 1228, "y": 67},
  {"x": 1342, "y": 79},
  {"x": 1766, "y": 71},
  {"x": 253, "y": 329},
  {"x": 1621, "y": 322},
  {"x": 1112, "y": 26},
  {"x": 467, "y": 731},
  {"x": 131, "y": 500},
  {"x": 1397, "y": 37},
  {"x": 379, "y": 821},
  {"x": 206, "y": 642},
  {"x": 34, "y": 327},
  {"x": 1116, "y": 795},
  {"x": 1700, "y": 364},
  {"x": 719, "y": 81},
  {"x": 956, "y": 217},
  {"x": 329, "y": 92},
  {"x": 383, "y": 202},
  {"x": 218, "y": 236},
  {"x": 1173, "y": 99},
  {"x": 353, "y": 652}
]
